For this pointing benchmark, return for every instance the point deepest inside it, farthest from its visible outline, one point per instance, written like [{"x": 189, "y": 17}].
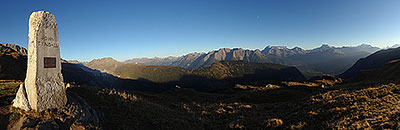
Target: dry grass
[
  {"x": 341, "y": 107},
  {"x": 301, "y": 84},
  {"x": 187, "y": 108},
  {"x": 323, "y": 83},
  {"x": 274, "y": 122},
  {"x": 328, "y": 82},
  {"x": 375, "y": 107},
  {"x": 344, "y": 106},
  {"x": 8, "y": 87},
  {"x": 257, "y": 88}
]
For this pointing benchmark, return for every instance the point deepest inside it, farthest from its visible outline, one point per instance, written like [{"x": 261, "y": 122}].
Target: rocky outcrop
[
  {"x": 200, "y": 60},
  {"x": 283, "y": 51},
  {"x": 19, "y": 49}
]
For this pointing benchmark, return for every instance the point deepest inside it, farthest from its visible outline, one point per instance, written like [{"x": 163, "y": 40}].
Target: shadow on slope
[
  {"x": 389, "y": 72},
  {"x": 12, "y": 64},
  {"x": 373, "y": 61},
  {"x": 219, "y": 76},
  {"x": 205, "y": 82},
  {"x": 82, "y": 75}
]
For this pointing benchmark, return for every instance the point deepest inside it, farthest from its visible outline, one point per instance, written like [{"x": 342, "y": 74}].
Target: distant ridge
[
  {"x": 373, "y": 61},
  {"x": 283, "y": 51},
  {"x": 153, "y": 61},
  {"x": 324, "y": 59},
  {"x": 200, "y": 60}
]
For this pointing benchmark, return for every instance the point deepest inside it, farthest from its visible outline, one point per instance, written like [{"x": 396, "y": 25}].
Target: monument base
[
  {"x": 54, "y": 98},
  {"x": 21, "y": 99}
]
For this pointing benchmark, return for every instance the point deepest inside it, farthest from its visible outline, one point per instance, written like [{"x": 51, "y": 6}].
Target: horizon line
[{"x": 208, "y": 51}]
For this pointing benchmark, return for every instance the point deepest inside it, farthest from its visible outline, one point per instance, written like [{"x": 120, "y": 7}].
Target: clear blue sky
[{"x": 148, "y": 28}]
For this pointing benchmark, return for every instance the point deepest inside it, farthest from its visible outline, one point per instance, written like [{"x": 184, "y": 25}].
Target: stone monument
[{"x": 44, "y": 86}]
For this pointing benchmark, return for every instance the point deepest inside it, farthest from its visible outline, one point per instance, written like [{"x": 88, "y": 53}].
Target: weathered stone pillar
[{"x": 44, "y": 85}]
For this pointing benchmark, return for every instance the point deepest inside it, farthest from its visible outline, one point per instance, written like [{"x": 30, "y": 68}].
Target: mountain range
[
  {"x": 226, "y": 94},
  {"x": 324, "y": 59},
  {"x": 109, "y": 73}
]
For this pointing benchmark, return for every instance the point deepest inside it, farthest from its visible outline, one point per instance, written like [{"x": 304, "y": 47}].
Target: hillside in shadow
[
  {"x": 206, "y": 79},
  {"x": 12, "y": 63},
  {"x": 373, "y": 61},
  {"x": 78, "y": 74},
  {"x": 220, "y": 75}
]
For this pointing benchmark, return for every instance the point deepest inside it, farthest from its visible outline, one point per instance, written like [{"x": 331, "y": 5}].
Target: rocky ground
[
  {"x": 301, "y": 105},
  {"x": 77, "y": 114}
]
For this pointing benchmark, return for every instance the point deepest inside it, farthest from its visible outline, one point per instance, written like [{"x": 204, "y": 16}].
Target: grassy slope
[
  {"x": 352, "y": 106},
  {"x": 219, "y": 70},
  {"x": 148, "y": 72},
  {"x": 364, "y": 104},
  {"x": 371, "y": 104},
  {"x": 256, "y": 71},
  {"x": 220, "y": 75}
]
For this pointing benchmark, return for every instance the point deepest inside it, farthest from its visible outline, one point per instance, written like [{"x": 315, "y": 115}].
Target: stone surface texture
[
  {"x": 21, "y": 100},
  {"x": 44, "y": 86}
]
